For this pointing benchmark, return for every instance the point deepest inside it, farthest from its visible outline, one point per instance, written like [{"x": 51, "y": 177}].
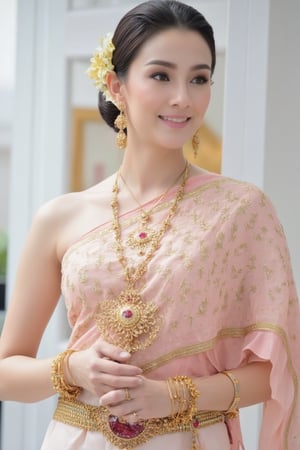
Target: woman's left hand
[{"x": 149, "y": 400}]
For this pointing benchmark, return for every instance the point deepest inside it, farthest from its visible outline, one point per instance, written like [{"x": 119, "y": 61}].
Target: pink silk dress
[{"x": 225, "y": 293}]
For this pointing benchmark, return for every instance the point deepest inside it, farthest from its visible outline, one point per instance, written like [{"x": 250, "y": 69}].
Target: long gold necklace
[
  {"x": 141, "y": 238},
  {"x": 128, "y": 321}
]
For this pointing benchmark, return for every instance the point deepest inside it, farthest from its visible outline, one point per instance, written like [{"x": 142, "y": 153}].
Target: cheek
[
  {"x": 204, "y": 101},
  {"x": 142, "y": 93},
  {"x": 141, "y": 105}
]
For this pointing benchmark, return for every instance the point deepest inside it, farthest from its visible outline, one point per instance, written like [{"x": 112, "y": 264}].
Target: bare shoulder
[{"x": 69, "y": 216}]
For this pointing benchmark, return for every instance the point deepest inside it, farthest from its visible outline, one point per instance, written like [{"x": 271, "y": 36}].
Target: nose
[{"x": 181, "y": 95}]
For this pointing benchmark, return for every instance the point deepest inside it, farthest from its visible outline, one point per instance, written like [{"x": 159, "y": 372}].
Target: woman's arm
[
  {"x": 36, "y": 292},
  {"x": 151, "y": 398},
  {"x": 34, "y": 298},
  {"x": 27, "y": 379},
  {"x": 217, "y": 391}
]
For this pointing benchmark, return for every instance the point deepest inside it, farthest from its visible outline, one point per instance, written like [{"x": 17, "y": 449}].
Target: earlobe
[{"x": 114, "y": 86}]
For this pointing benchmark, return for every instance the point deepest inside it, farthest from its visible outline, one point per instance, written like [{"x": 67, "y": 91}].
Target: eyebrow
[{"x": 158, "y": 62}]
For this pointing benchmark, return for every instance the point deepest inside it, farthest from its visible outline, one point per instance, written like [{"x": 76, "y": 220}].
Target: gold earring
[
  {"x": 121, "y": 124},
  {"x": 196, "y": 143}
]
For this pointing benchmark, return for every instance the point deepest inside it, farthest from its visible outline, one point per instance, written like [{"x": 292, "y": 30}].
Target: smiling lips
[{"x": 175, "y": 121}]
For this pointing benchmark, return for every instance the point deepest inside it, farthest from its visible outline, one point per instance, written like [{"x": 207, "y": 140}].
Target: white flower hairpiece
[{"x": 101, "y": 65}]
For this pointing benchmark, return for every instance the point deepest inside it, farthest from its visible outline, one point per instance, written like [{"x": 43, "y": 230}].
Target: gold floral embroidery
[
  {"x": 202, "y": 308},
  {"x": 251, "y": 263},
  {"x": 189, "y": 264},
  {"x": 233, "y": 232},
  {"x": 240, "y": 294},
  {"x": 203, "y": 250},
  {"x": 240, "y": 250},
  {"x": 252, "y": 222},
  {"x": 235, "y": 272},
  {"x": 220, "y": 240},
  {"x": 82, "y": 275}
]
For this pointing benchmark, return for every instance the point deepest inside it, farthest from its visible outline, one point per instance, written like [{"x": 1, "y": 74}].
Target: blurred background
[
  {"x": 8, "y": 23},
  {"x": 52, "y": 139}
]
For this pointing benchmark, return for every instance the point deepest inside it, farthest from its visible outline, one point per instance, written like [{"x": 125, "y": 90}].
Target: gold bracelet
[
  {"x": 236, "y": 396},
  {"x": 58, "y": 377},
  {"x": 183, "y": 397},
  {"x": 173, "y": 410},
  {"x": 67, "y": 366},
  {"x": 183, "y": 391}
]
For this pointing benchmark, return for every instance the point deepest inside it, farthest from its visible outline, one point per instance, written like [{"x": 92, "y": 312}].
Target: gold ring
[{"x": 127, "y": 394}]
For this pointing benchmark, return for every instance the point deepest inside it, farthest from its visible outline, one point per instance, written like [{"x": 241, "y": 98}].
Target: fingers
[
  {"x": 115, "y": 382},
  {"x": 106, "y": 375},
  {"x": 103, "y": 368},
  {"x": 111, "y": 351},
  {"x": 121, "y": 403},
  {"x": 128, "y": 412},
  {"x": 150, "y": 399},
  {"x": 113, "y": 368},
  {"x": 118, "y": 396}
]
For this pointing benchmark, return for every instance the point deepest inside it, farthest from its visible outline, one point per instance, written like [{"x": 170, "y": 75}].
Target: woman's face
[{"x": 167, "y": 89}]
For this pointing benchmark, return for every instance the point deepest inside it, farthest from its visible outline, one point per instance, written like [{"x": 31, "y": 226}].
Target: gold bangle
[
  {"x": 67, "y": 366},
  {"x": 236, "y": 396},
  {"x": 183, "y": 391},
  {"x": 58, "y": 377},
  {"x": 173, "y": 411}
]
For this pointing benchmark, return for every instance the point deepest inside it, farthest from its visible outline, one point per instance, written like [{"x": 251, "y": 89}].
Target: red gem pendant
[
  {"x": 127, "y": 313},
  {"x": 123, "y": 429},
  {"x": 143, "y": 235}
]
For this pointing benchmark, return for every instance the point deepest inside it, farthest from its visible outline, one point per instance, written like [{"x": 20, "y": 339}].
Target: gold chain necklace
[
  {"x": 128, "y": 321},
  {"x": 141, "y": 238}
]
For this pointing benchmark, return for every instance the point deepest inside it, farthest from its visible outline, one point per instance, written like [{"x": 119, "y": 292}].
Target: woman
[{"x": 177, "y": 281}]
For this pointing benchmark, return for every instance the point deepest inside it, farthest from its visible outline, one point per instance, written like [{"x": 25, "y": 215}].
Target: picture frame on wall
[{"x": 94, "y": 155}]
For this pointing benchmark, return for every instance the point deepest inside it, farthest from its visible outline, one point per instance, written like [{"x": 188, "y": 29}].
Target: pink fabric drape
[{"x": 223, "y": 283}]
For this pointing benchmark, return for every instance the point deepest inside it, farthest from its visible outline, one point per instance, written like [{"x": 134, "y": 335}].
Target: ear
[{"x": 114, "y": 86}]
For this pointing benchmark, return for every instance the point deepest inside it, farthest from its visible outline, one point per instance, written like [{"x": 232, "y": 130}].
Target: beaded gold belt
[{"x": 124, "y": 435}]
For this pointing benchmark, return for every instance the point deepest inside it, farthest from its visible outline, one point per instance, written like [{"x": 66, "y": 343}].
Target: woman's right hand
[{"x": 101, "y": 368}]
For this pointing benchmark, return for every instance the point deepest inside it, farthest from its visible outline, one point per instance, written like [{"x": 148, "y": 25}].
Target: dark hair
[{"x": 142, "y": 22}]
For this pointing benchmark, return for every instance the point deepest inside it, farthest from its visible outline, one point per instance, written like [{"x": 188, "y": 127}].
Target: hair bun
[{"x": 108, "y": 111}]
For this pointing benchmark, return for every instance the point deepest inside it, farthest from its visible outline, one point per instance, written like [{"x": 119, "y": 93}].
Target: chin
[{"x": 171, "y": 144}]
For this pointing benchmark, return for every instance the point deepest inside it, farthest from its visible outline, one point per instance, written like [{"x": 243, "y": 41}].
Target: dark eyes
[
  {"x": 200, "y": 80},
  {"x": 161, "y": 76}
]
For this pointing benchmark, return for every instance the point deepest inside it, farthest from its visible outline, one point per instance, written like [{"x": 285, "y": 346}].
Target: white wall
[
  {"x": 4, "y": 182},
  {"x": 8, "y": 10}
]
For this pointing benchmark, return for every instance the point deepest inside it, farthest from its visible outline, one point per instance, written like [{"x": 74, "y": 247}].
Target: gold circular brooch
[{"x": 128, "y": 321}]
